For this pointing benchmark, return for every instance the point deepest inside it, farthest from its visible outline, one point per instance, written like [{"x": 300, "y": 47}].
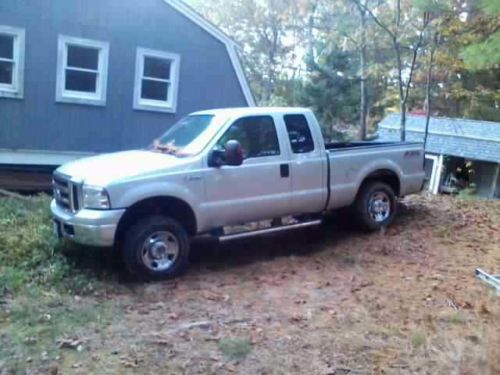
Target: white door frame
[{"x": 437, "y": 170}]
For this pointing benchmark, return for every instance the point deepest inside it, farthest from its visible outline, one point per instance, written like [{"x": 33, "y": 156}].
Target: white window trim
[
  {"x": 66, "y": 96},
  {"x": 156, "y": 105},
  {"x": 16, "y": 89}
]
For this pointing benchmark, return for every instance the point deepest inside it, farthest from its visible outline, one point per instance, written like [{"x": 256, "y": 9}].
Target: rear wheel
[
  {"x": 375, "y": 206},
  {"x": 156, "y": 247}
]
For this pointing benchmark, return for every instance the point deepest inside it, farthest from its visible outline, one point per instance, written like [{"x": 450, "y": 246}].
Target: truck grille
[{"x": 66, "y": 193}]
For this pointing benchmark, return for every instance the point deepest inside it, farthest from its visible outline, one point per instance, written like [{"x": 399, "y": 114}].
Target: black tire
[
  {"x": 134, "y": 241},
  {"x": 362, "y": 209}
]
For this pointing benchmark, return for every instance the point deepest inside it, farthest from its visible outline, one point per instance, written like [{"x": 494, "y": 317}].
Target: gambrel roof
[
  {"x": 231, "y": 46},
  {"x": 470, "y": 139}
]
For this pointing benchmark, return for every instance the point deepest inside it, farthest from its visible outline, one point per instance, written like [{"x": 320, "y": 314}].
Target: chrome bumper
[{"x": 86, "y": 227}]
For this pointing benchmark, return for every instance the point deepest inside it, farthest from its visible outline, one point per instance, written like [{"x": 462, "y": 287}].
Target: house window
[
  {"x": 156, "y": 80},
  {"x": 82, "y": 71},
  {"x": 11, "y": 62}
]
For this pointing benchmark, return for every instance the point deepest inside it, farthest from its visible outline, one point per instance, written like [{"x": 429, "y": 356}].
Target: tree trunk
[
  {"x": 428, "y": 96},
  {"x": 402, "y": 130},
  {"x": 310, "y": 40},
  {"x": 402, "y": 99},
  {"x": 404, "y": 89},
  {"x": 362, "y": 58},
  {"x": 271, "y": 70}
]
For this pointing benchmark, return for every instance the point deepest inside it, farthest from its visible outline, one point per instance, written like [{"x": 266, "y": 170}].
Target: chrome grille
[{"x": 66, "y": 192}]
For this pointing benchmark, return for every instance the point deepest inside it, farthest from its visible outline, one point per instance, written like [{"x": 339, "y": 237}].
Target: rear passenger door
[
  {"x": 258, "y": 189},
  {"x": 307, "y": 166}
]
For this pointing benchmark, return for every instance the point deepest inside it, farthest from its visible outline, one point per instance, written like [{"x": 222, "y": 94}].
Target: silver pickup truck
[{"x": 221, "y": 168}]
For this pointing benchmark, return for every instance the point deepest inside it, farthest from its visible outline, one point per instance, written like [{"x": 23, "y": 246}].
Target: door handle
[
  {"x": 285, "y": 170},
  {"x": 193, "y": 178}
]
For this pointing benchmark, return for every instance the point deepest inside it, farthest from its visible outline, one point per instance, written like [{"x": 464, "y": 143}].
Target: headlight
[{"x": 95, "y": 197}]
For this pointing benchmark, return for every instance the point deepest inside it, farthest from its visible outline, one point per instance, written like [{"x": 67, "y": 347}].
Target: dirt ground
[{"x": 333, "y": 301}]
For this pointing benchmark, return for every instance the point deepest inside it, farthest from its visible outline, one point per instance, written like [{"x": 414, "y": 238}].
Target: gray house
[
  {"x": 451, "y": 145},
  {"x": 79, "y": 77}
]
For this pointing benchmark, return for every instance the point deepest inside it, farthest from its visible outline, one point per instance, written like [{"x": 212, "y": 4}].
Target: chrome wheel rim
[
  {"x": 379, "y": 206},
  {"x": 160, "y": 251}
]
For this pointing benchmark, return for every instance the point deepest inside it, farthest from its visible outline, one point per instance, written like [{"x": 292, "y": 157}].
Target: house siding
[{"x": 38, "y": 122}]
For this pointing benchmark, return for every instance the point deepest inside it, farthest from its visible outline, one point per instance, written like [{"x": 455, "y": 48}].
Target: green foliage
[
  {"x": 293, "y": 51},
  {"x": 491, "y": 7},
  {"x": 469, "y": 193},
  {"x": 39, "y": 277},
  {"x": 484, "y": 54},
  {"x": 26, "y": 232},
  {"x": 235, "y": 348},
  {"x": 432, "y": 6},
  {"x": 333, "y": 89},
  {"x": 30, "y": 254},
  {"x": 418, "y": 338}
]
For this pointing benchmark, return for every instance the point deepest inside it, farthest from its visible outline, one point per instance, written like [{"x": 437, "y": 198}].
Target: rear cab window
[{"x": 299, "y": 133}]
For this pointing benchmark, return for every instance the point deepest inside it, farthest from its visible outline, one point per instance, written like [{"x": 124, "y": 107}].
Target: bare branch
[
  {"x": 414, "y": 57},
  {"x": 375, "y": 18}
]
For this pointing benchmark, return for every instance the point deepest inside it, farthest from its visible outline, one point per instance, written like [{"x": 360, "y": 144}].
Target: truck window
[
  {"x": 257, "y": 135},
  {"x": 299, "y": 134}
]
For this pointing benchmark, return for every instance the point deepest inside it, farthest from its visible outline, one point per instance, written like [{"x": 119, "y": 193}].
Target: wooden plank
[{"x": 25, "y": 180}]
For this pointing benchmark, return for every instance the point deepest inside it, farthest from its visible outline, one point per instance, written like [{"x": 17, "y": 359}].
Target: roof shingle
[{"x": 479, "y": 140}]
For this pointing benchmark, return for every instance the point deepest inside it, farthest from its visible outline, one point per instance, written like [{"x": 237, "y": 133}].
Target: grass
[
  {"x": 418, "y": 339},
  {"x": 235, "y": 348},
  {"x": 469, "y": 194},
  {"x": 29, "y": 253},
  {"x": 457, "y": 317},
  {"x": 39, "y": 279},
  {"x": 33, "y": 324}
]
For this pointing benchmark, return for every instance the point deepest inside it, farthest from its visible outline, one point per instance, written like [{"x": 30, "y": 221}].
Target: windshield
[{"x": 189, "y": 136}]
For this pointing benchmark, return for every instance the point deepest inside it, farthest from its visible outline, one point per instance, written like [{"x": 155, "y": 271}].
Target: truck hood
[{"x": 106, "y": 169}]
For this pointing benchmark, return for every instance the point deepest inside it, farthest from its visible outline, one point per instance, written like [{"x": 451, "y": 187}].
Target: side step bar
[
  {"x": 258, "y": 232},
  {"x": 492, "y": 280}
]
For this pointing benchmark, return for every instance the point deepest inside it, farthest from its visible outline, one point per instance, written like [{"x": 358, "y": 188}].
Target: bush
[
  {"x": 25, "y": 232},
  {"x": 29, "y": 252}
]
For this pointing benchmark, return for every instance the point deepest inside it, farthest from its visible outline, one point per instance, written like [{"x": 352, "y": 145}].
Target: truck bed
[{"x": 350, "y": 163}]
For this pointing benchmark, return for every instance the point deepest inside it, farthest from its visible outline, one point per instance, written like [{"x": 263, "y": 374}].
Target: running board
[
  {"x": 258, "y": 232},
  {"x": 492, "y": 280}
]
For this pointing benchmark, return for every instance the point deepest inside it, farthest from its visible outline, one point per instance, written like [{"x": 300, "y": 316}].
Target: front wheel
[
  {"x": 375, "y": 206},
  {"x": 156, "y": 247}
]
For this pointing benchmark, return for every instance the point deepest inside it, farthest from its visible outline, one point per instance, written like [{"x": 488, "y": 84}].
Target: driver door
[{"x": 258, "y": 189}]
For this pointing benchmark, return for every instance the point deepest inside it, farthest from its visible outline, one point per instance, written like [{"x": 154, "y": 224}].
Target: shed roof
[{"x": 471, "y": 139}]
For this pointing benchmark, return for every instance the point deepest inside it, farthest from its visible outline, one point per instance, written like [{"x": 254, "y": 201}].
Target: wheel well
[
  {"x": 385, "y": 175},
  {"x": 170, "y": 206}
]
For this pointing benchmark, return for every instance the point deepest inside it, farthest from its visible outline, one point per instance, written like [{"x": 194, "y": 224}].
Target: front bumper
[{"x": 86, "y": 227}]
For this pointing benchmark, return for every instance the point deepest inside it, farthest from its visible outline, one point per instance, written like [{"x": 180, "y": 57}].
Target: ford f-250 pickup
[{"x": 222, "y": 168}]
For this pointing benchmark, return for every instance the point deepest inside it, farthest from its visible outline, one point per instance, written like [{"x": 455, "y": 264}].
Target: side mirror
[{"x": 233, "y": 153}]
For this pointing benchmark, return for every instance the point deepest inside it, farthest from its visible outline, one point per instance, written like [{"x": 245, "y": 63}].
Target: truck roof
[{"x": 252, "y": 111}]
